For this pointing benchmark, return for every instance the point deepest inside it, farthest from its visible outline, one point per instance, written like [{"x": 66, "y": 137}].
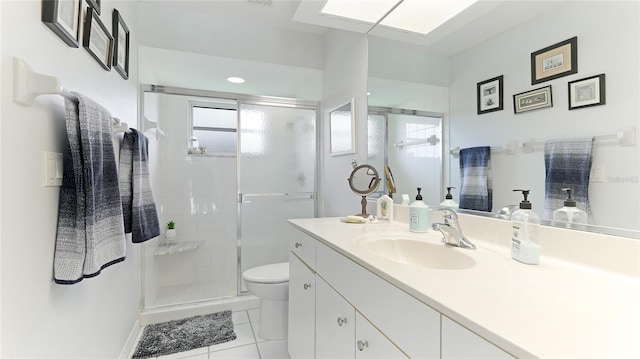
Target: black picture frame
[
  {"x": 95, "y": 4},
  {"x": 533, "y": 100},
  {"x": 97, "y": 40},
  {"x": 63, "y": 18},
  {"x": 120, "y": 45},
  {"x": 490, "y": 94},
  {"x": 555, "y": 61},
  {"x": 587, "y": 92}
]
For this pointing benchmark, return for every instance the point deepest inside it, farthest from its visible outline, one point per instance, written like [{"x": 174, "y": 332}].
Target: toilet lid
[{"x": 270, "y": 273}]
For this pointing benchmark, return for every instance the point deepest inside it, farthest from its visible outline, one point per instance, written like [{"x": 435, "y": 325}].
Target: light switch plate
[{"x": 52, "y": 169}]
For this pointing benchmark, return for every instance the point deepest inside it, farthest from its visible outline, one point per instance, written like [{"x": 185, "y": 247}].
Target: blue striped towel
[
  {"x": 567, "y": 165},
  {"x": 476, "y": 189},
  {"x": 138, "y": 205}
]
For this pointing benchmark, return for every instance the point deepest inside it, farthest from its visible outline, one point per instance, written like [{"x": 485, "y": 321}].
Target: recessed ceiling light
[{"x": 235, "y": 80}]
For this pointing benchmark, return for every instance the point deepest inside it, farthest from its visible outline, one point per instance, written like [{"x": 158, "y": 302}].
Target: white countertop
[{"x": 553, "y": 310}]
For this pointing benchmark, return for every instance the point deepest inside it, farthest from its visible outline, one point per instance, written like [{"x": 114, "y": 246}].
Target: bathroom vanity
[{"x": 378, "y": 290}]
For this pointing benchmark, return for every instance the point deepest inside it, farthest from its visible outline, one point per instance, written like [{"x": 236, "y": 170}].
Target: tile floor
[{"x": 247, "y": 345}]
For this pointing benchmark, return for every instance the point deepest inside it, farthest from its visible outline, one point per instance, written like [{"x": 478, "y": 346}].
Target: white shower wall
[{"x": 198, "y": 194}]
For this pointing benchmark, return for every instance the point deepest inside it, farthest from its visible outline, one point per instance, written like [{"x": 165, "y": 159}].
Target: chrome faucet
[{"x": 451, "y": 231}]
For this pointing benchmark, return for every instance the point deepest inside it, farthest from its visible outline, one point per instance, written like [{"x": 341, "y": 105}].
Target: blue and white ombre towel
[
  {"x": 476, "y": 188},
  {"x": 90, "y": 233},
  {"x": 567, "y": 165}
]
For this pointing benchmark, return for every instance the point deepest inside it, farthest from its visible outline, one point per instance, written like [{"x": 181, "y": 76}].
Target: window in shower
[{"x": 215, "y": 127}]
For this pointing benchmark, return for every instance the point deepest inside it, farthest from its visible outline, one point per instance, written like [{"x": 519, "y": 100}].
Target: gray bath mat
[{"x": 185, "y": 334}]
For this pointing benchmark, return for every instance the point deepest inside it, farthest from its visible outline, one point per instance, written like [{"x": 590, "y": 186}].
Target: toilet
[{"x": 271, "y": 284}]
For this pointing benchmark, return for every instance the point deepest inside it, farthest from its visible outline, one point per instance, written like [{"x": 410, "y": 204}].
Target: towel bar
[{"x": 28, "y": 84}]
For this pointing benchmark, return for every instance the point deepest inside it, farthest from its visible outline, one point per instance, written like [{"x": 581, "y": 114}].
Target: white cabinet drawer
[
  {"x": 409, "y": 323},
  {"x": 304, "y": 246},
  {"x": 370, "y": 343},
  {"x": 302, "y": 315},
  {"x": 460, "y": 342}
]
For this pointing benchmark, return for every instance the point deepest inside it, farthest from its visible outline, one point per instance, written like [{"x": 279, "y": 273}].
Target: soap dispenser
[
  {"x": 570, "y": 215},
  {"x": 418, "y": 215},
  {"x": 448, "y": 201},
  {"x": 525, "y": 246}
]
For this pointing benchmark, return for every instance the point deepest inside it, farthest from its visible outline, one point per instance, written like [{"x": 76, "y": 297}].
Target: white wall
[
  {"x": 39, "y": 318},
  {"x": 611, "y": 45},
  {"x": 344, "y": 78},
  {"x": 170, "y": 27}
]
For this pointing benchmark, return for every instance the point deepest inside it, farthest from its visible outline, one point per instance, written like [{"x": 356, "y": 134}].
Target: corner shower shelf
[{"x": 177, "y": 247}]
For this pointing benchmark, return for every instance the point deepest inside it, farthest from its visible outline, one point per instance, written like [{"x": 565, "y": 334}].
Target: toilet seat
[{"x": 270, "y": 273}]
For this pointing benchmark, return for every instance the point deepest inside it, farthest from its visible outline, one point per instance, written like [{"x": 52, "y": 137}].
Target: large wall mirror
[{"x": 439, "y": 73}]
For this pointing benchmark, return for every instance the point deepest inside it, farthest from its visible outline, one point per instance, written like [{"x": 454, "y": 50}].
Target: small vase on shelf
[{"x": 171, "y": 233}]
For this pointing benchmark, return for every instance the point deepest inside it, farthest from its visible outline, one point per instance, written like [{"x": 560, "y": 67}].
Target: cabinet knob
[
  {"x": 341, "y": 321},
  {"x": 298, "y": 244},
  {"x": 362, "y": 344},
  {"x": 307, "y": 286}
]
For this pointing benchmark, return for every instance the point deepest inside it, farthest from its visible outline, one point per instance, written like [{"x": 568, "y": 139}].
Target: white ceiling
[{"x": 480, "y": 21}]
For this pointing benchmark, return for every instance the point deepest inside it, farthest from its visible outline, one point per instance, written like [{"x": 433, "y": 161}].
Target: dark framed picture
[
  {"x": 97, "y": 39},
  {"x": 63, "y": 18},
  {"x": 587, "y": 92},
  {"x": 532, "y": 100},
  {"x": 490, "y": 95},
  {"x": 555, "y": 61},
  {"x": 95, "y": 5},
  {"x": 120, "y": 45}
]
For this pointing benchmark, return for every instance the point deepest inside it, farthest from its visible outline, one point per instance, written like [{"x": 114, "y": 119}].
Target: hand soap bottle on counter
[
  {"x": 418, "y": 215},
  {"x": 448, "y": 201},
  {"x": 570, "y": 215},
  {"x": 525, "y": 246}
]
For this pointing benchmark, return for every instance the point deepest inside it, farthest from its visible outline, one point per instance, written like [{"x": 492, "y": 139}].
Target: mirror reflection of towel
[
  {"x": 476, "y": 189},
  {"x": 567, "y": 165}
]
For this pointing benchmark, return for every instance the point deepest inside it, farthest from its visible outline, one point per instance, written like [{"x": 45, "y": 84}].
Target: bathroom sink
[{"x": 419, "y": 253}]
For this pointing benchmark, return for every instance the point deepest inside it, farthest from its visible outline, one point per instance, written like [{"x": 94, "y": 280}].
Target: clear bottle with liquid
[
  {"x": 525, "y": 246},
  {"x": 569, "y": 215}
]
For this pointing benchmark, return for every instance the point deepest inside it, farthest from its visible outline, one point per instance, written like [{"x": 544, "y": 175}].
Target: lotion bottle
[
  {"x": 525, "y": 246},
  {"x": 448, "y": 201},
  {"x": 570, "y": 216},
  {"x": 418, "y": 215}
]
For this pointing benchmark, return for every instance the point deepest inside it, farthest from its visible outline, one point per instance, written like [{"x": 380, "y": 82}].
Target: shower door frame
[{"x": 240, "y": 99}]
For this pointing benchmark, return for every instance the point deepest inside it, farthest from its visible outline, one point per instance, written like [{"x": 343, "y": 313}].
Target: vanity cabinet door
[
  {"x": 459, "y": 342},
  {"x": 370, "y": 343},
  {"x": 335, "y": 324},
  {"x": 301, "y": 309}
]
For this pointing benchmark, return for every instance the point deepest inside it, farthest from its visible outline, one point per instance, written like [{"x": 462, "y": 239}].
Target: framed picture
[
  {"x": 587, "y": 92},
  {"x": 490, "y": 95},
  {"x": 555, "y": 61},
  {"x": 532, "y": 100},
  {"x": 63, "y": 18},
  {"x": 97, "y": 39},
  {"x": 342, "y": 126},
  {"x": 120, "y": 45},
  {"x": 95, "y": 5}
]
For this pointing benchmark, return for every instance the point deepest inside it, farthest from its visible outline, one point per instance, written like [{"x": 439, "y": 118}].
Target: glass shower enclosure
[{"x": 253, "y": 168}]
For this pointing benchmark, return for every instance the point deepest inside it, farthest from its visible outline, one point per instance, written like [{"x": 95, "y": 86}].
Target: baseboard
[
  {"x": 159, "y": 315},
  {"x": 132, "y": 339}
]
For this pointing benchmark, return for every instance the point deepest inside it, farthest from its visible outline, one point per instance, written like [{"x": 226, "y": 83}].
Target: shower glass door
[{"x": 276, "y": 179}]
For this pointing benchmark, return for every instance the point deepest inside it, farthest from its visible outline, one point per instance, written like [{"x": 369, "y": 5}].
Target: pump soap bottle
[
  {"x": 448, "y": 201},
  {"x": 418, "y": 215},
  {"x": 570, "y": 215},
  {"x": 525, "y": 246}
]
